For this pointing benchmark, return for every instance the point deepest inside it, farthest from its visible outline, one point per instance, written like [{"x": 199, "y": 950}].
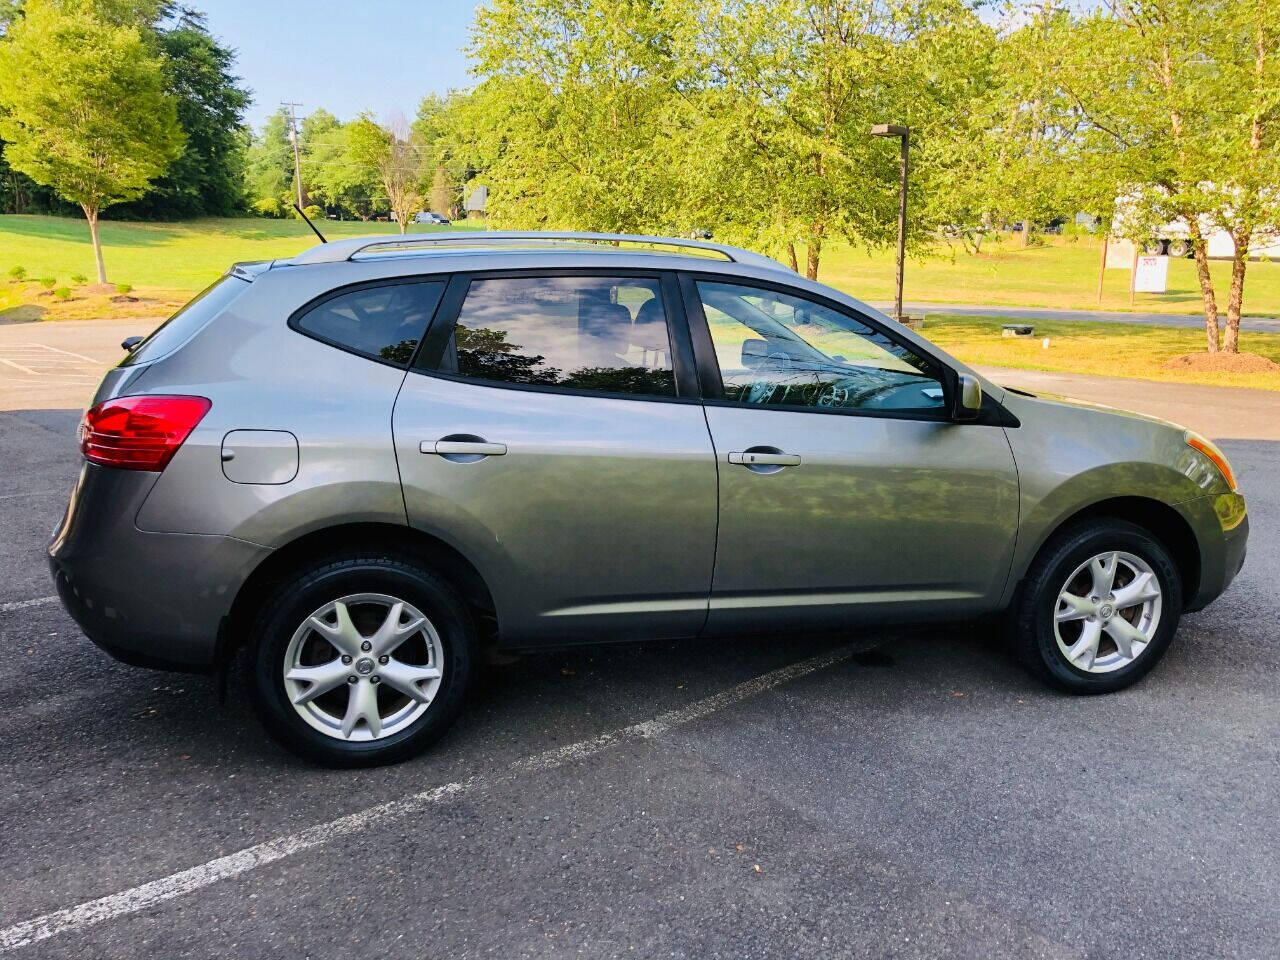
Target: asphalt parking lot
[{"x": 870, "y": 796}]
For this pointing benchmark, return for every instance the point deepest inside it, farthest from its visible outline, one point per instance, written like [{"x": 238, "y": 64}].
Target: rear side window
[
  {"x": 382, "y": 322},
  {"x": 188, "y": 321},
  {"x": 580, "y": 333}
]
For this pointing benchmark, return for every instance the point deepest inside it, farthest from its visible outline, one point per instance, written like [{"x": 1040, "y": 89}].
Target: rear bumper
[
  {"x": 148, "y": 599},
  {"x": 1221, "y": 526}
]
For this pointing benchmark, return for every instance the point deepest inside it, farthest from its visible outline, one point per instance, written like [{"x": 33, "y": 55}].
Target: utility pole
[{"x": 293, "y": 138}]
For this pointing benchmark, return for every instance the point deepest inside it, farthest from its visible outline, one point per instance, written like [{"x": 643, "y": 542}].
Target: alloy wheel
[
  {"x": 363, "y": 667},
  {"x": 1107, "y": 612}
]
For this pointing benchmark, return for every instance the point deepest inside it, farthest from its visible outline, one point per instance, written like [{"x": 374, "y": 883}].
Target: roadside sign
[{"x": 1152, "y": 275}]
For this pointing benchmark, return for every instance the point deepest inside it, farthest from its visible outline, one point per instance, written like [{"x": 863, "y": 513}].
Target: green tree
[
  {"x": 746, "y": 117},
  {"x": 1013, "y": 157},
  {"x": 571, "y": 120},
  {"x": 397, "y": 160},
  {"x": 269, "y": 167},
  {"x": 85, "y": 109},
  {"x": 1182, "y": 103},
  {"x": 338, "y": 173},
  {"x": 782, "y": 131},
  {"x": 442, "y": 138},
  {"x": 207, "y": 179}
]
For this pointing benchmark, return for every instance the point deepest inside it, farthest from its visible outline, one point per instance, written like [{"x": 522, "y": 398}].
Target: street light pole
[{"x": 903, "y": 133}]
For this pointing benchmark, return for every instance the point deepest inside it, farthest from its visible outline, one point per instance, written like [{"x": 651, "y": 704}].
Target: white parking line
[
  {"x": 23, "y": 604},
  {"x": 18, "y": 366},
  {"x": 242, "y": 861},
  {"x": 68, "y": 353}
]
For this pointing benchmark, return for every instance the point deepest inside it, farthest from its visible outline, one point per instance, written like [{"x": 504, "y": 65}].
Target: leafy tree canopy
[{"x": 85, "y": 109}]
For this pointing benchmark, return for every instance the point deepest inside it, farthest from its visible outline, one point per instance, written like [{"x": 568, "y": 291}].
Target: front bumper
[
  {"x": 148, "y": 599},
  {"x": 1221, "y": 526}
]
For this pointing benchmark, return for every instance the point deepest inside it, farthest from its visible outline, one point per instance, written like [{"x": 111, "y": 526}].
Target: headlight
[{"x": 1216, "y": 457}]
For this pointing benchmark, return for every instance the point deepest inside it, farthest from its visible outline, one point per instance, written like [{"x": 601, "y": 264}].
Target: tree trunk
[
  {"x": 91, "y": 214},
  {"x": 791, "y": 258},
  {"x": 813, "y": 255},
  {"x": 1201, "y": 250},
  {"x": 1235, "y": 300},
  {"x": 1026, "y": 233}
]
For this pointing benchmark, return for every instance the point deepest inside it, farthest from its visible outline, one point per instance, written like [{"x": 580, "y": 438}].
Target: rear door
[
  {"x": 846, "y": 492},
  {"x": 551, "y": 429}
]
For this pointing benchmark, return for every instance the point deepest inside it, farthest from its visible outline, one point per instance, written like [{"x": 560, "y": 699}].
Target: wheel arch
[
  {"x": 441, "y": 557},
  {"x": 1159, "y": 519}
]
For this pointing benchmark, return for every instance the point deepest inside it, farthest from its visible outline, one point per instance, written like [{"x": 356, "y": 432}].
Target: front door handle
[
  {"x": 764, "y": 458},
  {"x": 480, "y": 447},
  {"x": 463, "y": 448}
]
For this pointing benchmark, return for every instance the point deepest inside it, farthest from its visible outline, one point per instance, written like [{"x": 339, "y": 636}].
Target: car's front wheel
[
  {"x": 360, "y": 661},
  {"x": 1099, "y": 607}
]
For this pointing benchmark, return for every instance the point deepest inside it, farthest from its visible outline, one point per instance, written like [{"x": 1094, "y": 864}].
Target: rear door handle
[
  {"x": 756, "y": 458},
  {"x": 475, "y": 448}
]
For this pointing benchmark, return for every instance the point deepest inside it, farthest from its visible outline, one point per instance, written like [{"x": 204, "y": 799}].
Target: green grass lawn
[
  {"x": 1103, "y": 349},
  {"x": 185, "y": 256},
  {"x": 1063, "y": 274}
]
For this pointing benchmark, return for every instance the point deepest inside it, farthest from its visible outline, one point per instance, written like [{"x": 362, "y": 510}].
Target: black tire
[
  {"x": 1034, "y": 638},
  {"x": 294, "y": 600}
]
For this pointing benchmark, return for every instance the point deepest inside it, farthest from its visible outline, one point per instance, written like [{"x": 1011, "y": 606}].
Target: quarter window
[
  {"x": 382, "y": 322},
  {"x": 781, "y": 350},
  {"x": 586, "y": 333}
]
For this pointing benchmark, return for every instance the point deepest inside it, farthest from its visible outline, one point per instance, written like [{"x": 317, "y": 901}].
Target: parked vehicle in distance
[
  {"x": 429, "y": 218},
  {"x": 373, "y": 462},
  {"x": 1173, "y": 239}
]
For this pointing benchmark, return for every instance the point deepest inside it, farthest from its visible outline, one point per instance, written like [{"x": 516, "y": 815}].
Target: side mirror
[
  {"x": 968, "y": 398},
  {"x": 754, "y": 352},
  {"x": 129, "y": 344}
]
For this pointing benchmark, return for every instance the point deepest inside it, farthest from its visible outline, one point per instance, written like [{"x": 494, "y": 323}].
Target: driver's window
[{"x": 782, "y": 350}]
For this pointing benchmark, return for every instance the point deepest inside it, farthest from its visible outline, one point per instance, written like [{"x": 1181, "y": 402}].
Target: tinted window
[
  {"x": 188, "y": 321},
  {"x": 383, "y": 322},
  {"x": 586, "y": 333},
  {"x": 778, "y": 349}
]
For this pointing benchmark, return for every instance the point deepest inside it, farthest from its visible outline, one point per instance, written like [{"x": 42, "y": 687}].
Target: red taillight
[{"x": 139, "y": 433}]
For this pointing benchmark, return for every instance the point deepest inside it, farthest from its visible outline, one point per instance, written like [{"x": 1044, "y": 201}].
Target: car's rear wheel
[
  {"x": 361, "y": 661},
  {"x": 1099, "y": 606}
]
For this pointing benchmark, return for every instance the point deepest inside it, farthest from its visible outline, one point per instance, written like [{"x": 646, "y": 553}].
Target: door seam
[{"x": 715, "y": 546}]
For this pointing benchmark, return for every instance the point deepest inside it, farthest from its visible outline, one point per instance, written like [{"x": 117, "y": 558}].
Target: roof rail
[{"x": 337, "y": 251}]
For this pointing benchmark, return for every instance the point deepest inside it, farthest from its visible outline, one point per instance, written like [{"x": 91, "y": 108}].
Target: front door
[
  {"x": 551, "y": 431},
  {"x": 846, "y": 493}
]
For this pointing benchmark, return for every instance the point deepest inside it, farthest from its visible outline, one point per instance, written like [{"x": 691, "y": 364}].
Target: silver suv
[{"x": 374, "y": 462}]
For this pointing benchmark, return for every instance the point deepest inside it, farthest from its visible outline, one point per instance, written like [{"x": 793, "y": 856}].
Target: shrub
[
  {"x": 313, "y": 212},
  {"x": 267, "y": 207},
  {"x": 63, "y": 293},
  {"x": 48, "y": 282},
  {"x": 79, "y": 279},
  {"x": 17, "y": 273},
  {"x": 124, "y": 287}
]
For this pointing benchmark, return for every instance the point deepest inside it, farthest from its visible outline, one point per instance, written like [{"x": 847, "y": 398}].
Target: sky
[{"x": 379, "y": 55}]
